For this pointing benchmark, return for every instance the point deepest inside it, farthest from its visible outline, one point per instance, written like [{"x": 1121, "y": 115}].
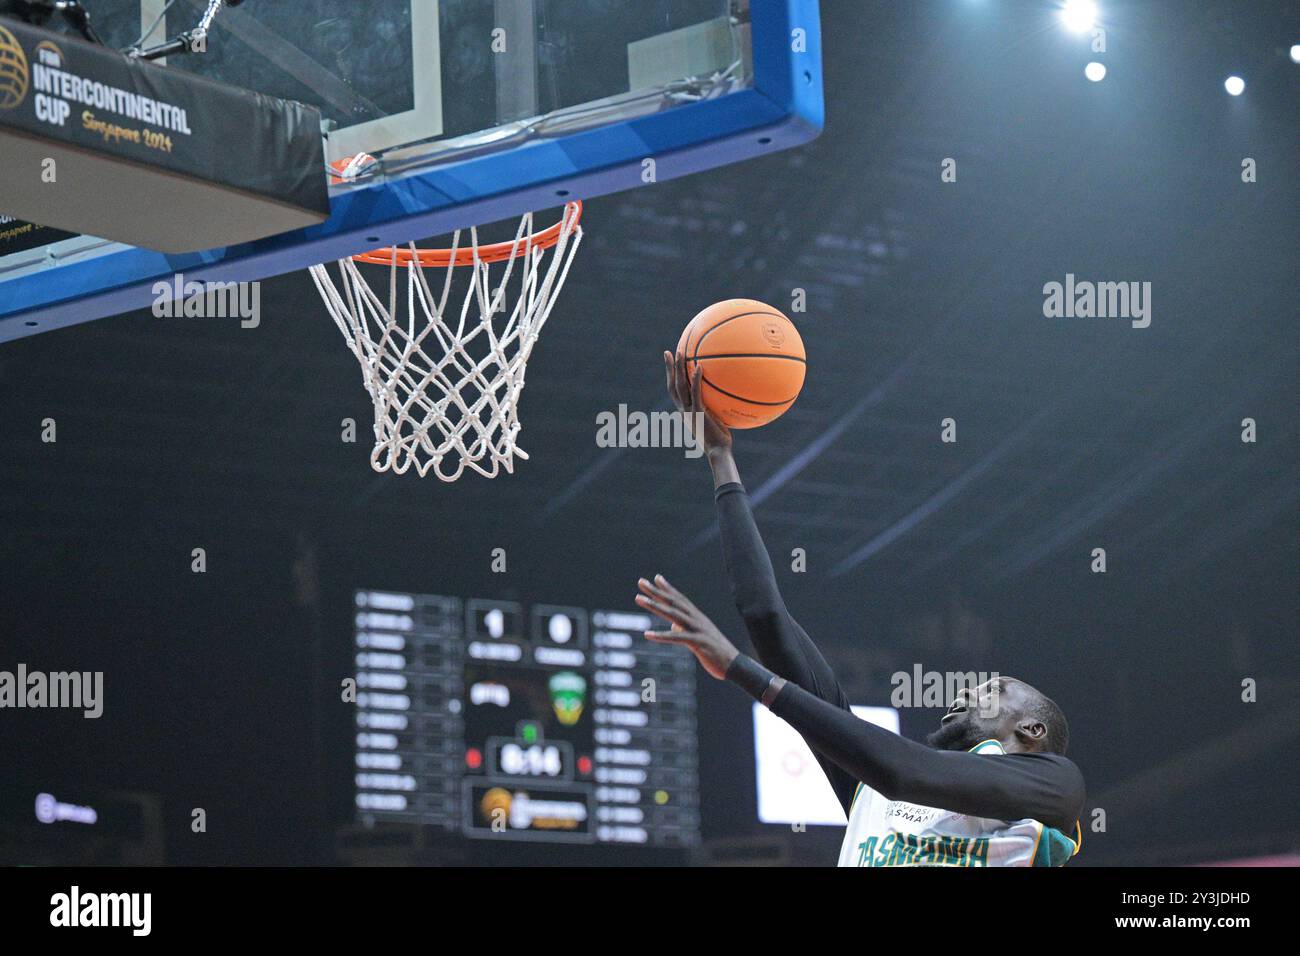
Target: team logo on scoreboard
[
  {"x": 568, "y": 695},
  {"x": 13, "y": 71}
]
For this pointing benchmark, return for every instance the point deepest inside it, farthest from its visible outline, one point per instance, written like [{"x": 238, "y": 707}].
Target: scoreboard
[{"x": 497, "y": 720}]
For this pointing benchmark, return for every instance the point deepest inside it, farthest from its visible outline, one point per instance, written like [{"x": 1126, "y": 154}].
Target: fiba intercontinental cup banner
[{"x": 124, "y": 125}]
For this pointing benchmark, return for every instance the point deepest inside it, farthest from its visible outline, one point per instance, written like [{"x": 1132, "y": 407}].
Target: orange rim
[{"x": 495, "y": 252}]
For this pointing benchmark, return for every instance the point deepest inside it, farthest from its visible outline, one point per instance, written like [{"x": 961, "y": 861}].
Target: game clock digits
[{"x": 539, "y": 723}]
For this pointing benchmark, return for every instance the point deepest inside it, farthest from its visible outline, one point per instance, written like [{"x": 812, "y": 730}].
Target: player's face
[{"x": 986, "y": 712}]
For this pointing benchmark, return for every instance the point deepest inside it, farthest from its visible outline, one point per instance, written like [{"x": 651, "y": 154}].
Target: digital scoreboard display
[{"x": 504, "y": 721}]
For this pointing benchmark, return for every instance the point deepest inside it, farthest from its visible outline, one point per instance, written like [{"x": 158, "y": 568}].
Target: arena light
[
  {"x": 1095, "y": 71},
  {"x": 1295, "y": 53},
  {"x": 1235, "y": 85},
  {"x": 1079, "y": 15}
]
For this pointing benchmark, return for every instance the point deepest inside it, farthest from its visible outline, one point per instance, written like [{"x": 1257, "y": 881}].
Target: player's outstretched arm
[
  {"x": 780, "y": 643},
  {"x": 778, "y": 640}
]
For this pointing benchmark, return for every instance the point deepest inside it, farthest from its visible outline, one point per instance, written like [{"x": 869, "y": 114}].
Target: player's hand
[
  {"x": 691, "y": 626},
  {"x": 685, "y": 393}
]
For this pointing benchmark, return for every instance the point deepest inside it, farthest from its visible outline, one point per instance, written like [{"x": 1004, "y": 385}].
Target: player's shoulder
[
  {"x": 1058, "y": 763},
  {"x": 1062, "y": 774},
  {"x": 1039, "y": 759},
  {"x": 1059, "y": 759}
]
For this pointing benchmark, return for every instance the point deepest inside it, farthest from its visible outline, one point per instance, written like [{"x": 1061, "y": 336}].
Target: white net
[{"x": 446, "y": 383}]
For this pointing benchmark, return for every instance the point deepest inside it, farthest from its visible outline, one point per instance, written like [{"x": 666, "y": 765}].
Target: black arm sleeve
[
  {"x": 1043, "y": 787},
  {"x": 779, "y": 642}
]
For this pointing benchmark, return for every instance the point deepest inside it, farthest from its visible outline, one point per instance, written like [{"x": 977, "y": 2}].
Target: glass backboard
[{"x": 477, "y": 110}]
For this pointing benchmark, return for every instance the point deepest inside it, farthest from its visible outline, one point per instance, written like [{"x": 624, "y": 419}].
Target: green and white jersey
[{"x": 884, "y": 832}]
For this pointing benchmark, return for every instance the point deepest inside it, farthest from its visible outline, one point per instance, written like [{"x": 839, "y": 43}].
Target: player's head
[{"x": 1007, "y": 710}]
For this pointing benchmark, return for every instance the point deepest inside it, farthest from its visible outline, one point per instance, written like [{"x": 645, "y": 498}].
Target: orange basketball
[{"x": 752, "y": 359}]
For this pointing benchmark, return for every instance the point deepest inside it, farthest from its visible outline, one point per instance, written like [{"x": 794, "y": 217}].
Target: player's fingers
[
  {"x": 664, "y": 637},
  {"x": 649, "y": 590},
  {"x": 645, "y": 585},
  {"x": 656, "y": 590},
  {"x": 683, "y": 382},
  {"x": 697, "y": 402},
  {"x": 664, "y": 583},
  {"x": 668, "y": 598},
  {"x": 672, "y": 637},
  {"x": 673, "y": 595},
  {"x": 670, "y": 367},
  {"x": 669, "y": 614}
]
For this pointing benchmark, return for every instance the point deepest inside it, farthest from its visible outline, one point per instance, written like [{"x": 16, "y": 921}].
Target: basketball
[{"x": 752, "y": 358}]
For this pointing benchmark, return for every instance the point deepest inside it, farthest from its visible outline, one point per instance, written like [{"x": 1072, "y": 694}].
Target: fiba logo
[
  {"x": 49, "y": 54},
  {"x": 13, "y": 71}
]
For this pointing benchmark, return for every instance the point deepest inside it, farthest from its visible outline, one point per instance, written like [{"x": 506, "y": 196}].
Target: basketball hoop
[{"x": 446, "y": 388}]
